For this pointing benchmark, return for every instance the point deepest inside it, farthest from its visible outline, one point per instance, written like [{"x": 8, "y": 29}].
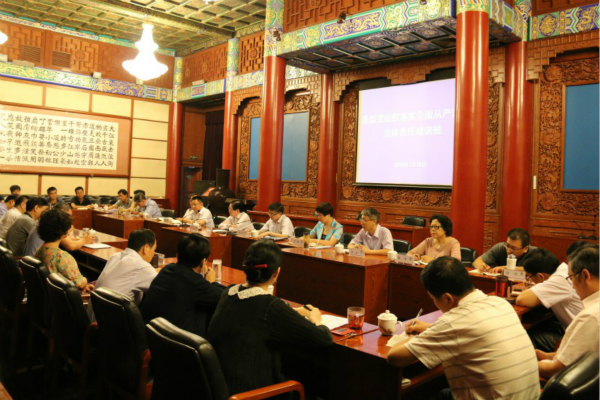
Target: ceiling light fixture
[
  {"x": 145, "y": 66},
  {"x": 3, "y": 37}
]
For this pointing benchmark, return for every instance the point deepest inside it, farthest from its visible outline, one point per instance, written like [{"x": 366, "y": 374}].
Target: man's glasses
[
  {"x": 273, "y": 214},
  {"x": 570, "y": 277},
  {"x": 513, "y": 248},
  {"x": 364, "y": 220}
]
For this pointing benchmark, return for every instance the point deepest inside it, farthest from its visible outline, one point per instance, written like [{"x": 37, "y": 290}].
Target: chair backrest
[
  {"x": 577, "y": 381},
  {"x": 347, "y": 238},
  {"x": 299, "y": 231},
  {"x": 402, "y": 246},
  {"x": 69, "y": 317},
  {"x": 38, "y": 300},
  {"x": 10, "y": 279},
  {"x": 414, "y": 221},
  {"x": 168, "y": 213},
  {"x": 258, "y": 225},
  {"x": 468, "y": 255},
  {"x": 183, "y": 363},
  {"x": 121, "y": 336},
  {"x": 219, "y": 220},
  {"x": 104, "y": 199}
]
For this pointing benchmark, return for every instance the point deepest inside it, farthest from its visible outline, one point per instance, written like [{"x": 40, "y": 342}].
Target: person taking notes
[{"x": 278, "y": 225}]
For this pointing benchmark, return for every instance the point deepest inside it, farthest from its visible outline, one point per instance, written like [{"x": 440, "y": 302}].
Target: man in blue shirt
[{"x": 146, "y": 205}]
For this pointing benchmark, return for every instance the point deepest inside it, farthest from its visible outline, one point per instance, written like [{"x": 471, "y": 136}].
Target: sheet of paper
[
  {"x": 220, "y": 230},
  {"x": 320, "y": 247},
  {"x": 97, "y": 246},
  {"x": 333, "y": 322},
  {"x": 396, "y": 339}
]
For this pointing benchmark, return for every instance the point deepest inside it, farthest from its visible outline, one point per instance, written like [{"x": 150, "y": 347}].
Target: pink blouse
[{"x": 428, "y": 248}]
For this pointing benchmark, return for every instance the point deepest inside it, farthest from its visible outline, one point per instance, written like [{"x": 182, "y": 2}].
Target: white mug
[
  {"x": 339, "y": 248},
  {"x": 511, "y": 263},
  {"x": 392, "y": 255},
  {"x": 388, "y": 323},
  {"x": 254, "y": 233}
]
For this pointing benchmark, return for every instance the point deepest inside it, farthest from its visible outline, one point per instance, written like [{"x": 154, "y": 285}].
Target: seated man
[
  {"x": 15, "y": 190},
  {"x": 517, "y": 244},
  {"x": 12, "y": 215},
  {"x": 80, "y": 199},
  {"x": 552, "y": 290},
  {"x": 18, "y": 233},
  {"x": 190, "y": 210},
  {"x": 53, "y": 195},
  {"x": 582, "y": 334},
  {"x": 238, "y": 220},
  {"x": 146, "y": 205},
  {"x": 201, "y": 215},
  {"x": 6, "y": 204},
  {"x": 69, "y": 243},
  {"x": 278, "y": 225},
  {"x": 372, "y": 238},
  {"x": 479, "y": 340},
  {"x": 130, "y": 272},
  {"x": 124, "y": 200},
  {"x": 180, "y": 293}
]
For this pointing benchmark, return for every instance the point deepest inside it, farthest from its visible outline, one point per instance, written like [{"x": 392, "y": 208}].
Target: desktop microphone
[
  {"x": 593, "y": 235},
  {"x": 581, "y": 236}
]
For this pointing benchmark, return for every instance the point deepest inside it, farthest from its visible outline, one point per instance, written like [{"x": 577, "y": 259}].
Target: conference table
[
  {"x": 220, "y": 244},
  {"x": 116, "y": 225}
]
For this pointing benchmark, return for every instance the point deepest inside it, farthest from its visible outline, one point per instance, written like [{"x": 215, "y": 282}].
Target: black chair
[
  {"x": 13, "y": 304},
  {"x": 104, "y": 199},
  {"x": 38, "y": 301},
  {"x": 578, "y": 381},
  {"x": 219, "y": 220},
  {"x": 185, "y": 363},
  {"x": 168, "y": 213},
  {"x": 123, "y": 351},
  {"x": 113, "y": 199},
  {"x": 414, "y": 221},
  {"x": 95, "y": 201},
  {"x": 347, "y": 238},
  {"x": 71, "y": 329},
  {"x": 258, "y": 225},
  {"x": 467, "y": 256},
  {"x": 402, "y": 246},
  {"x": 300, "y": 231}
]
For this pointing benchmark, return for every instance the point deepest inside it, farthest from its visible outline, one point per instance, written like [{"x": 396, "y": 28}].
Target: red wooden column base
[
  {"x": 271, "y": 133},
  {"x": 174, "y": 156},
  {"x": 328, "y": 143},
  {"x": 230, "y": 127},
  {"x": 516, "y": 189},
  {"x": 470, "y": 141}
]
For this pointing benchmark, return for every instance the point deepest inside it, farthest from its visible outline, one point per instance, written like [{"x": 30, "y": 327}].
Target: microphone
[
  {"x": 581, "y": 235},
  {"x": 593, "y": 235}
]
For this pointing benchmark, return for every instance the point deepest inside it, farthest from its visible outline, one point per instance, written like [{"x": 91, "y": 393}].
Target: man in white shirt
[
  {"x": 238, "y": 220},
  {"x": 12, "y": 215},
  {"x": 582, "y": 334},
  {"x": 372, "y": 238},
  {"x": 552, "y": 290},
  {"x": 202, "y": 216},
  {"x": 278, "y": 225},
  {"x": 479, "y": 340},
  {"x": 130, "y": 272}
]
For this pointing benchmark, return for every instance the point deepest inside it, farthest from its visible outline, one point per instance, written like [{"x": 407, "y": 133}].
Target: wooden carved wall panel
[
  {"x": 70, "y": 53},
  {"x": 548, "y": 199},
  {"x": 251, "y": 53},
  {"x": 24, "y": 43},
  {"x": 494, "y": 146},
  {"x": 311, "y": 83},
  {"x": 302, "y": 13},
  {"x": 548, "y": 6},
  {"x": 240, "y": 95},
  {"x": 210, "y": 65},
  {"x": 399, "y": 196},
  {"x": 298, "y": 190}
]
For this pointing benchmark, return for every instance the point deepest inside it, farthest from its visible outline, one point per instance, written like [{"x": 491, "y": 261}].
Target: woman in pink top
[{"x": 440, "y": 243}]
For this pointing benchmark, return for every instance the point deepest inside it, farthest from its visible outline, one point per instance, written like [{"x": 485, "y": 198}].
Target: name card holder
[
  {"x": 298, "y": 242},
  {"x": 515, "y": 275},
  {"x": 405, "y": 259},
  {"x": 356, "y": 252}
]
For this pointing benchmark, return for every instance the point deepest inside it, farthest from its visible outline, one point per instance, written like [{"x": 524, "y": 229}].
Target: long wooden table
[
  {"x": 220, "y": 245},
  {"x": 115, "y": 225},
  {"x": 81, "y": 218},
  {"x": 157, "y": 226}
]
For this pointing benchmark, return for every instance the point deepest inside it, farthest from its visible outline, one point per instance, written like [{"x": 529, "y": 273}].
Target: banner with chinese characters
[{"x": 42, "y": 140}]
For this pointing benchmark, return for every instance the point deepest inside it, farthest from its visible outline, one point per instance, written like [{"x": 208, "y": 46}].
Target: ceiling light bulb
[
  {"x": 3, "y": 37},
  {"x": 145, "y": 66}
]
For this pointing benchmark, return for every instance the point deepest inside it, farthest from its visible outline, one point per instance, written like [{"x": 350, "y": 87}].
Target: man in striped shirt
[{"x": 479, "y": 340}]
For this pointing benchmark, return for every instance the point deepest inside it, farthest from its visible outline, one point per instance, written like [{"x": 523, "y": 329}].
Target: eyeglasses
[
  {"x": 435, "y": 227},
  {"x": 364, "y": 220},
  {"x": 513, "y": 248},
  {"x": 570, "y": 277},
  {"x": 273, "y": 214}
]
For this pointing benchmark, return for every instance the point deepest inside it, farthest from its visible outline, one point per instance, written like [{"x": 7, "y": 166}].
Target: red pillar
[
  {"x": 470, "y": 140},
  {"x": 328, "y": 143},
  {"x": 230, "y": 128},
  {"x": 174, "y": 156},
  {"x": 271, "y": 133},
  {"x": 515, "y": 200}
]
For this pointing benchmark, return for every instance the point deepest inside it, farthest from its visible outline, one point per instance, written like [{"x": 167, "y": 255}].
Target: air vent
[
  {"x": 31, "y": 53},
  {"x": 61, "y": 60}
]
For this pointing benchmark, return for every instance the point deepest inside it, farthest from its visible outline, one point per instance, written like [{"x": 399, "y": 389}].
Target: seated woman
[
  {"x": 53, "y": 227},
  {"x": 328, "y": 231},
  {"x": 180, "y": 293},
  {"x": 372, "y": 238},
  {"x": 238, "y": 220},
  {"x": 440, "y": 243},
  {"x": 249, "y": 323}
]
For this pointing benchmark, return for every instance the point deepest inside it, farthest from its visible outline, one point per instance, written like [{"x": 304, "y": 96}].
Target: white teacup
[
  {"x": 388, "y": 323},
  {"x": 254, "y": 233},
  {"x": 339, "y": 248},
  {"x": 392, "y": 255},
  {"x": 511, "y": 263}
]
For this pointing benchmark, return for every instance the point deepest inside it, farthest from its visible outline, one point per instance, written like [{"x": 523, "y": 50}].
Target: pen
[
  {"x": 417, "y": 317},
  {"x": 309, "y": 309}
]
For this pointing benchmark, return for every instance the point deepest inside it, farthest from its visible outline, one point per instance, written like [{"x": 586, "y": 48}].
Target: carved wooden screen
[
  {"x": 210, "y": 65},
  {"x": 251, "y": 53}
]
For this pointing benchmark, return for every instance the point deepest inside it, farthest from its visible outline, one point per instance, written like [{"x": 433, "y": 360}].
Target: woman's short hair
[
  {"x": 192, "y": 250},
  {"x": 325, "y": 209},
  {"x": 263, "y": 258},
  {"x": 444, "y": 221},
  {"x": 53, "y": 225}
]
